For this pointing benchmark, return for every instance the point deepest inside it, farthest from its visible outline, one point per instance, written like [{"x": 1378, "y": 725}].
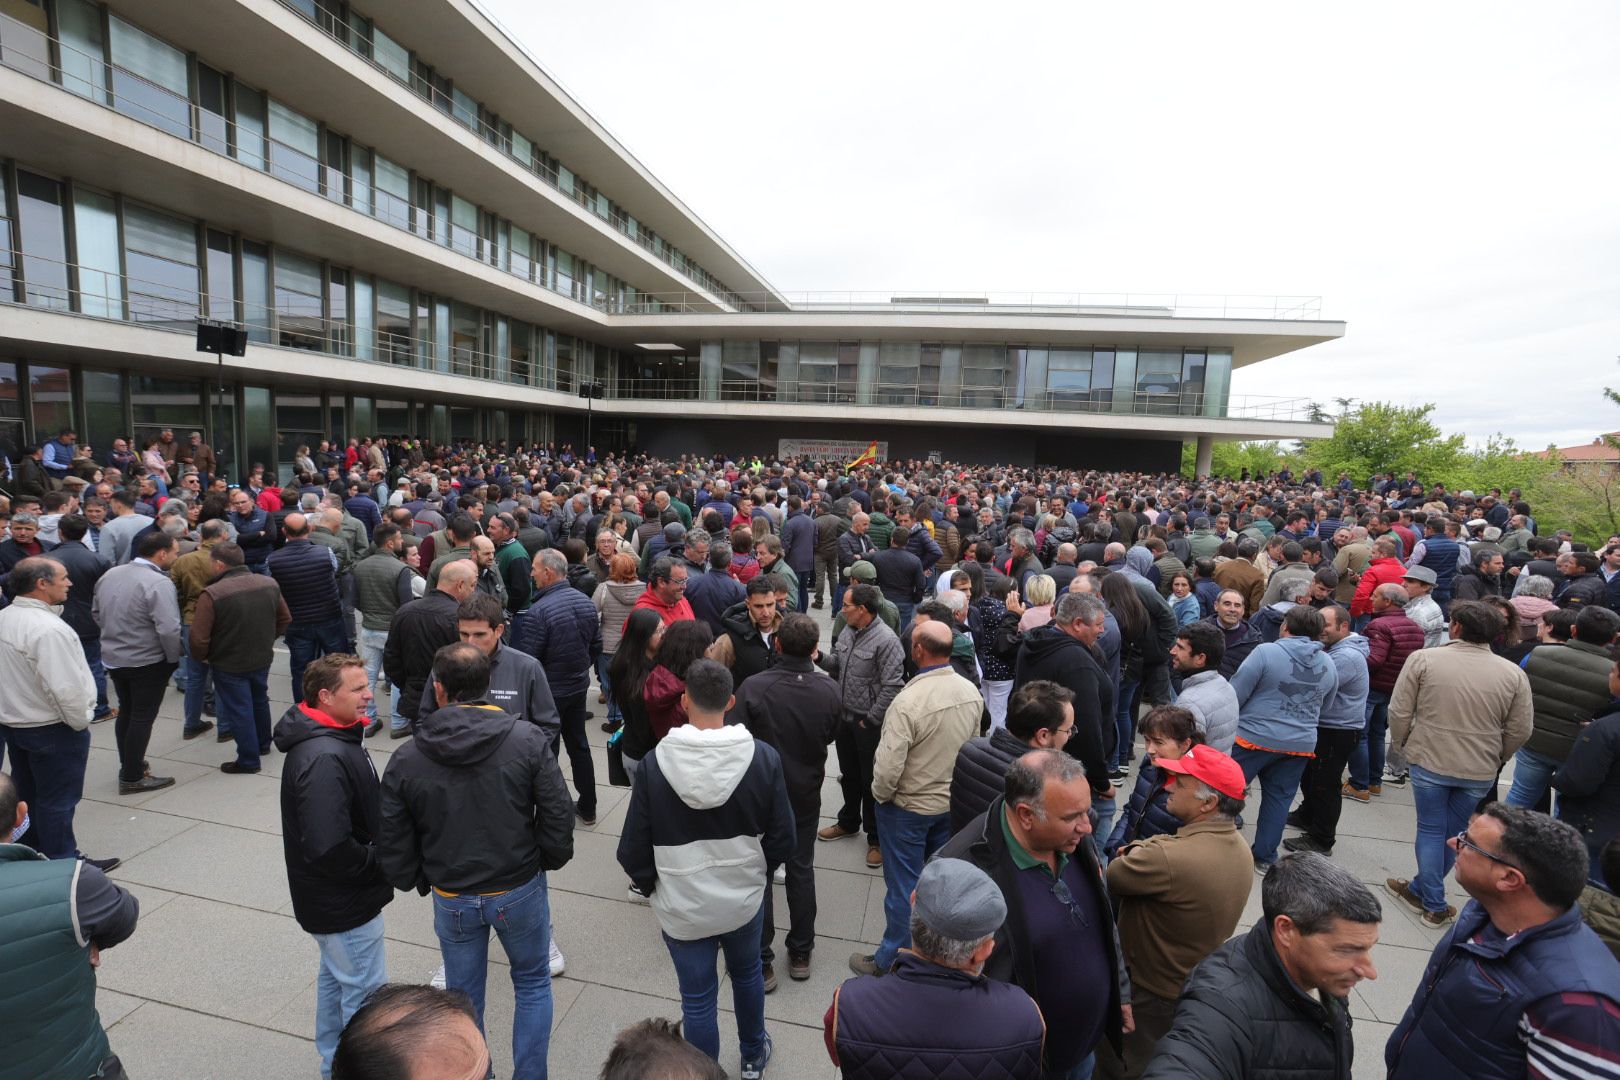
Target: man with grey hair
[
  {"x": 561, "y": 629},
  {"x": 1022, "y": 563},
  {"x": 1058, "y": 942},
  {"x": 1180, "y": 896},
  {"x": 1275, "y": 1000},
  {"x": 1268, "y": 621},
  {"x": 937, "y": 1014}
]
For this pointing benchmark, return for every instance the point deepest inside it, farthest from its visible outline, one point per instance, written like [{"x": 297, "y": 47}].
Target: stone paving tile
[
  {"x": 125, "y": 831},
  {"x": 114, "y": 1006},
  {"x": 101, "y": 777},
  {"x": 161, "y": 1040},
  {"x": 213, "y": 862},
  {"x": 244, "y": 802}
]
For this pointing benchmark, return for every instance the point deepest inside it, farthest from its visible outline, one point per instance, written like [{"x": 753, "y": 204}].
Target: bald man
[
  {"x": 308, "y": 576},
  {"x": 413, "y": 1033},
  {"x": 927, "y": 723},
  {"x": 420, "y": 629}
]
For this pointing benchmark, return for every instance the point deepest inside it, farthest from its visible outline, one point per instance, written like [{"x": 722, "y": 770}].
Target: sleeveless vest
[
  {"x": 49, "y": 1026},
  {"x": 1440, "y": 555},
  {"x": 307, "y": 579}
]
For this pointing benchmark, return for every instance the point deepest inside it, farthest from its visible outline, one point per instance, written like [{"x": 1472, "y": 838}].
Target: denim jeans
[
  {"x": 242, "y": 700},
  {"x": 372, "y": 643},
  {"x": 700, "y": 987},
  {"x": 196, "y": 687},
  {"x": 1367, "y": 759},
  {"x": 602, "y": 663},
  {"x": 98, "y": 671},
  {"x": 351, "y": 968},
  {"x": 1106, "y": 809},
  {"x": 1279, "y": 782},
  {"x": 521, "y": 918},
  {"x": 1532, "y": 775},
  {"x": 1124, "y": 722},
  {"x": 907, "y": 839},
  {"x": 311, "y": 641},
  {"x": 1444, "y": 805},
  {"x": 48, "y": 765}
]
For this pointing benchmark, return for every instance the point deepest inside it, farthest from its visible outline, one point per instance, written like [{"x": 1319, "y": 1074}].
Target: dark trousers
[
  {"x": 242, "y": 699},
  {"x": 47, "y": 764},
  {"x": 1154, "y": 1016},
  {"x": 140, "y": 694},
  {"x": 92, "y": 656},
  {"x": 571, "y": 710},
  {"x": 856, "y": 745},
  {"x": 1322, "y": 780},
  {"x": 802, "y": 601},
  {"x": 801, "y": 886},
  {"x": 307, "y": 642}
]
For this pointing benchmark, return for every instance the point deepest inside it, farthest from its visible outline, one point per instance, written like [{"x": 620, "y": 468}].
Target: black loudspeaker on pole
[{"x": 222, "y": 341}]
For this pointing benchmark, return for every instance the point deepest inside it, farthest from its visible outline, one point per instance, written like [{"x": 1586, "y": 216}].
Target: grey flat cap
[{"x": 958, "y": 900}]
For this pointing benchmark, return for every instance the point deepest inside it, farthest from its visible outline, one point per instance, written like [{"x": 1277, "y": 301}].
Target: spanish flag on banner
[{"x": 865, "y": 459}]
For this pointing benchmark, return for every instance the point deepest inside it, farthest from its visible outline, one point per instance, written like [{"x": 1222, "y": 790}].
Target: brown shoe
[
  {"x": 836, "y": 831},
  {"x": 1375, "y": 789},
  {"x": 1354, "y": 793},
  {"x": 1401, "y": 889},
  {"x": 768, "y": 971},
  {"x": 874, "y": 857},
  {"x": 864, "y": 964},
  {"x": 798, "y": 966},
  {"x": 1434, "y": 920}
]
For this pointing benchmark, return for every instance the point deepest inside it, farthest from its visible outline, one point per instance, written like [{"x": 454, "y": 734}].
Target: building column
[{"x": 1205, "y": 456}]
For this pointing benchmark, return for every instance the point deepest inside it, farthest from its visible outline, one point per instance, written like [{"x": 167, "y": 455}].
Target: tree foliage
[
  {"x": 1581, "y": 497},
  {"x": 1379, "y": 436}
]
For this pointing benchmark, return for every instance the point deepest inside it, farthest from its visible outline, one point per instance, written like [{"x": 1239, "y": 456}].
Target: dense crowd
[{"x": 1052, "y": 698}]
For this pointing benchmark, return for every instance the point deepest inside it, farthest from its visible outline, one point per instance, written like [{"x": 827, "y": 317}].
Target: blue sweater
[
  {"x": 1280, "y": 689},
  {"x": 1346, "y": 708}
]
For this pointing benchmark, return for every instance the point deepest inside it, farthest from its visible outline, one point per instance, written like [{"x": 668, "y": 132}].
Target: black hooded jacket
[
  {"x": 1048, "y": 653},
  {"x": 474, "y": 803},
  {"x": 330, "y": 820}
]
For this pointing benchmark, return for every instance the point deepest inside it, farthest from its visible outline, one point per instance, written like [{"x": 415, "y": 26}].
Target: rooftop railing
[{"x": 1136, "y": 305}]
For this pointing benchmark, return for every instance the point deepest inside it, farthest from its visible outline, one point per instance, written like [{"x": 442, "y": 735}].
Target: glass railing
[
  {"x": 27, "y": 50},
  {"x": 356, "y": 39},
  {"x": 900, "y": 302}
]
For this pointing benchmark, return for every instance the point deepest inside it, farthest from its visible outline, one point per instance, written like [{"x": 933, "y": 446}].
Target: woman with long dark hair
[
  {"x": 684, "y": 643},
  {"x": 1138, "y": 647},
  {"x": 627, "y": 680}
]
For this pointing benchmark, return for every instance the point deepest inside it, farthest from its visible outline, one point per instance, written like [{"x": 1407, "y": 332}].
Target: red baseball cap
[{"x": 1214, "y": 768}]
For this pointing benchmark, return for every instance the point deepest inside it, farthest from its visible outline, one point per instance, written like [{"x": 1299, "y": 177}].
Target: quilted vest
[
  {"x": 308, "y": 582},
  {"x": 1568, "y": 683},
  {"x": 49, "y": 1027},
  {"x": 376, "y": 579},
  {"x": 1440, "y": 555}
]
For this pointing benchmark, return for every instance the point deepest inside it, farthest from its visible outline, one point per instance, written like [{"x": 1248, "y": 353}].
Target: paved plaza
[{"x": 219, "y": 981}]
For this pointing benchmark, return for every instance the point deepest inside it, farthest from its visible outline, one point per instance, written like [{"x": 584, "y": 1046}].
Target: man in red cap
[{"x": 1181, "y": 894}]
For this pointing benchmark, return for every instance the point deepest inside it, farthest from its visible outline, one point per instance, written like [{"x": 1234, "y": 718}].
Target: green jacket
[
  {"x": 49, "y": 1026},
  {"x": 879, "y": 526},
  {"x": 1568, "y": 683}
]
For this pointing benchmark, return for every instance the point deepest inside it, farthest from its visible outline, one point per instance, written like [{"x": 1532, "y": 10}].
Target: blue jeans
[
  {"x": 196, "y": 687},
  {"x": 1367, "y": 759},
  {"x": 372, "y": 643},
  {"x": 801, "y": 603},
  {"x": 1106, "y": 811},
  {"x": 1532, "y": 775},
  {"x": 1279, "y": 782},
  {"x": 907, "y": 610},
  {"x": 700, "y": 987},
  {"x": 242, "y": 700},
  {"x": 602, "y": 662},
  {"x": 47, "y": 764},
  {"x": 98, "y": 671},
  {"x": 521, "y": 918},
  {"x": 351, "y": 968},
  {"x": 1124, "y": 723},
  {"x": 907, "y": 839},
  {"x": 310, "y": 641},
  {"x": 1444, "y": 805}
]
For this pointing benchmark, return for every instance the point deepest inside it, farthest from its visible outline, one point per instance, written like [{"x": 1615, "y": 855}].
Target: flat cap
[{"x": 956, "y": 899}]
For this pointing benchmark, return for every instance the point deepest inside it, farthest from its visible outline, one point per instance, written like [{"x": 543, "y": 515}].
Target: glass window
[
  {"x": 213, "y": 109},
  {"x": 520, "y": 256},
  {"x": 360, "y": 178},
  {"x": 149, "y": 79},
  {"x": 335, "y": 167},
  {"x": 463, "y": 226},
  {"x": 336, "y": 420},
  {"x": 818, "y": 370},
  {"x": 8, "y": 271},
  {"x": 466, "y": 355},
  {"x": 441, "y": 335},
  {"x": 391, "y": 56},
  {"x": 50, "y": 391},
  {"x": 520, "y": 354},
  {"x": 222, "y": 429},
  {"x": 394, "y": 323},
  {"x": 463, "y": 108},
  {"x": 1192, "y": 380},
  {"x": 898, "y": 362},
  {"x": 564, "y": 272},
  {"x": 365, "y": 417},
  {"x": 294, "y": 146},
  {"x": 928, "y": 374},
  {"x": 249, "y": 144},
  {"x": 337, "y": 311},
  {"x": 365, "y": 322},
  {"x": 221, "y": 277},
  {"x": 95, "y": 234},
  {"x": 393, "y": 417},
  {"x": 44, "y": 240},
  {"x": 11, "y": 425},
  {"x": 565, "y": 180},
  {"x": 1068, "y": 375},
  {"x": 160, "y": 257},
  {"x": 739, "y": 371},
  {"x": 298, "y": 302},
  {"x": 393, "y": 192},
  {"x": 24, "y": 38},
  {"x": 258, "y": 426},
  {"x": 256, "y": 311},
  {"x": 103, "y": 411},
  {"x": 441, "y": 215},
  {"x": 156, "y": 404},
  {"x": 83, "y": 52},
  {"x": 522, "y": 150},
  {"x": 984, "y": 373},
  {"x": 300, "y": 422},
  {"x": 565, "y": 363}
]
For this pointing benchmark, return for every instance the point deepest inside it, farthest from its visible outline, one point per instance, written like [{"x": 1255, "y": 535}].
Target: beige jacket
[
  {"x": 925, "y": 726},
  {"x": 1460, "y": 710}
]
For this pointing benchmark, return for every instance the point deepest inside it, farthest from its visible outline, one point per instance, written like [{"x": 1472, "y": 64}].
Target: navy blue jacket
[
  {"x": 562, "y": 631},
  {"x": 1440, "y": 555},
  {"x": 799, "y": 542},
  {"x": 1147, "y": 814},
  {"x": 307, "y": 574},
  {"x": 255, "y": 534},
  {"x": 364, "y": 509},
  {"x": 923, "y": 1021}
]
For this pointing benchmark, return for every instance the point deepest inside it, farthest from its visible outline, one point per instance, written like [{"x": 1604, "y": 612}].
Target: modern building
[{"x": 423, "y": 234}]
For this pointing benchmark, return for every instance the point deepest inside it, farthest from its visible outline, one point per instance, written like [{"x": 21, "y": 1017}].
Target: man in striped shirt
[{"x": 1520, "y": 986}]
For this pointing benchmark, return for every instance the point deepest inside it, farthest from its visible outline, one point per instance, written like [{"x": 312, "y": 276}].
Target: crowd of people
[{"x": 1052, "y": 699}]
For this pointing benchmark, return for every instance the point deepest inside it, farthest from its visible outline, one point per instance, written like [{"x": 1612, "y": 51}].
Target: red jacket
[
  {"x": 676, "y": 612},
  {"x": 1379, "y": 572},
  {"x": 662, "y": 696},
  {"x": 1391, "y": 638}
]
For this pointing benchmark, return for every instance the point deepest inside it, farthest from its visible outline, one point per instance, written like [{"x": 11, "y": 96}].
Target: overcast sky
[{"x": 1445, "y": 176}]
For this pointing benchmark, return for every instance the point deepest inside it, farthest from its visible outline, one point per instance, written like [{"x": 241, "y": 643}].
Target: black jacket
[
  {"x": 1589, "y": 781},
  {"x": 796, "y": 709},
  {"x": 84, "y": 569},
  {"x": 418, "y": 630},
  {"x": 750, "y": 654},
  {"x": 1470, "y": 584},
  {"x": 899, "y": 575},
  {"x": 980, "y": 774},
  {"x": 1241, "y": 1015},
  {"x": 330, "y": 817},
  {"x": 474, "y": 803},
  {"x": 1584, "y": 590},
  {"x": 1049, "y": 653}
]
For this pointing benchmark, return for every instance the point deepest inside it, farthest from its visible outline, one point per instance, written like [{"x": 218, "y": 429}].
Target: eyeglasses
[
  {"x": 1463, "y": 842},
  {"x": 1060, "y": 889}
]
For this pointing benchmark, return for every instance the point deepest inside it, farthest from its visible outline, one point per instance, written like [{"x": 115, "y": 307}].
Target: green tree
[
  {"x": 1229, "y": 459},
  {"x": 1379, "y": 436},
  {"x": 1583, "y": 497}
]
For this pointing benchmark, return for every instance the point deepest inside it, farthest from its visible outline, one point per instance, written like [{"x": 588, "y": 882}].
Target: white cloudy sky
[{"x": 1445, "y": 175}]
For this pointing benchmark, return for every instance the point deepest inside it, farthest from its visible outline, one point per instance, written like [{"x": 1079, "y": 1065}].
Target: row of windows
[
  {"x": 100, "y": 56},
  {"x": 70, "y": 248},
  {"x": 362, "y": 36}
]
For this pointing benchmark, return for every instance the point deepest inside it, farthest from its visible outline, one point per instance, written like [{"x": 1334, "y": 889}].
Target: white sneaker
[
  {"x": 558, "y": 964},
  {"x": 636, "y": 896},
  {"x": 780, "y": 877},
  {"x": 437, "y": 982}
]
